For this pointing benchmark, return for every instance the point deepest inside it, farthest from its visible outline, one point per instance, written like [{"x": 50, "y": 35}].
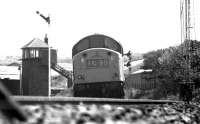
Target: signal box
[{"x": 35, "y": 71}]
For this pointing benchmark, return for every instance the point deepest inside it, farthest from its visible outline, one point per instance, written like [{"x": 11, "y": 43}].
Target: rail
[{"x": 78, "y": 100}]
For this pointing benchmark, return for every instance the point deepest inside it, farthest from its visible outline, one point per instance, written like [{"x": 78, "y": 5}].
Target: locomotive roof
[{"x": 96, "y": 36}]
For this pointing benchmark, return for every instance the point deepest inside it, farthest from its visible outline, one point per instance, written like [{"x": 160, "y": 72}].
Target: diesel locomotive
[{"x": 98, "y": 67}]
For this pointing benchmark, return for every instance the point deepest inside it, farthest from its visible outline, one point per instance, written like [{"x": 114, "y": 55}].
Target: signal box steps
[{"x": 62, "y": 71}]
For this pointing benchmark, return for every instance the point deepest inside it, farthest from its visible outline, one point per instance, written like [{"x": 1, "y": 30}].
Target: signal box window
[
  {"x": 34, "y": 53},
  {"x": 25, "y": 54},
  {"x": 37, "y": 53},
  {"x": 30, "y": 53}
]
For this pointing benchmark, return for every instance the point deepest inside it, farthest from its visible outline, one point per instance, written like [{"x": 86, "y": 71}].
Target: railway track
[
  {"x": 78, "y": 100},
  {"x": 61, "y": 110}
]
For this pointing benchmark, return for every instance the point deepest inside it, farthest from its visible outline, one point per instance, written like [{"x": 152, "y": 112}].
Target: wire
[
  {"x": 194, "y": 20},
  {"x": 181, "y": 20}
]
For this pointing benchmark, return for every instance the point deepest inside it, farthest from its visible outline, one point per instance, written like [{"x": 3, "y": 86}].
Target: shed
[{"x": 140, "y": 79}]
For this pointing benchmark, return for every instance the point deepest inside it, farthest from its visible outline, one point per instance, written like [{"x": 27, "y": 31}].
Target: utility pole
[
  {"x": 188, "y": 47},
  {"x": 47, "y": 20}
]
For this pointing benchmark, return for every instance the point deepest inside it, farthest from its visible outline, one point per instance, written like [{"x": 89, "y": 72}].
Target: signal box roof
[{"x": 36, "y": 43}]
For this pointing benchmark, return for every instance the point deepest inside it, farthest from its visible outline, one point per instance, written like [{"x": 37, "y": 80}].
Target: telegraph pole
[{"x": 47, "y": 20}]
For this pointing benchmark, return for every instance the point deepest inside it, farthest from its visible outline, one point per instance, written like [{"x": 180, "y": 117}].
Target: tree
[{"x": 169, "y": 67}]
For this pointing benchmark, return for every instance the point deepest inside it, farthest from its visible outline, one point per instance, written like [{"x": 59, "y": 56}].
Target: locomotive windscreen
[{"x": 97, "y": 41}]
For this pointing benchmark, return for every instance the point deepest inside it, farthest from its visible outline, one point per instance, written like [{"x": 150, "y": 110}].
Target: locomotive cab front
[{"x": 98, "y": 67}]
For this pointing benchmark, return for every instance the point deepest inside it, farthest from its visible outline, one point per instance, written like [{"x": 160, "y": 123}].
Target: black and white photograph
[{"x": 100, "y": 62}]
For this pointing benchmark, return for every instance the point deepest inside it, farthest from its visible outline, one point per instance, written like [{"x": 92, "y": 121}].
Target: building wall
[{"x": 13, "y": 86}]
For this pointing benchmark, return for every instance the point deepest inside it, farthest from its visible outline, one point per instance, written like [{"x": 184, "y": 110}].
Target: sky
[{"x": 139, "y": 25}]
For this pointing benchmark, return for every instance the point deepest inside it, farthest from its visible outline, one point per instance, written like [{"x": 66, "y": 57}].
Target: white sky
[{"x": 139, "y": 25}]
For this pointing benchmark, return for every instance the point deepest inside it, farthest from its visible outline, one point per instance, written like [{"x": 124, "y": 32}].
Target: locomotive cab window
[
  {"x": 83, "y": 45},
  {"x": 113, "y": 45},
  {"x": 97, "y": 42}
]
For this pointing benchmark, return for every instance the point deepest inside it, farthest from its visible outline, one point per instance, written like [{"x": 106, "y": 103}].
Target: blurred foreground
[{"x": 107, "y": 114}]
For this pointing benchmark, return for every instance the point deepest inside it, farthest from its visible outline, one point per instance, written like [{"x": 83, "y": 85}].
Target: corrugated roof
[
  {"x": 141, "y": 71},
  {"x": 135, "y": 66},
  {"x": 138, "y": 62},
  {"x": 36, "y": 43},
  {"x": 10, "y": 72}
]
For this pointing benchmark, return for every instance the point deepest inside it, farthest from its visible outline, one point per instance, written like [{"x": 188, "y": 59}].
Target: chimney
[{"x": 46, "y": 39}]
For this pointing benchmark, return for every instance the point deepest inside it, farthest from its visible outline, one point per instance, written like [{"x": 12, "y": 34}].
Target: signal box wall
[
  {"x": 44, "y": 56},
  {"x": 35, "y": 73},
  {"x": 35, "y": 78}
]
